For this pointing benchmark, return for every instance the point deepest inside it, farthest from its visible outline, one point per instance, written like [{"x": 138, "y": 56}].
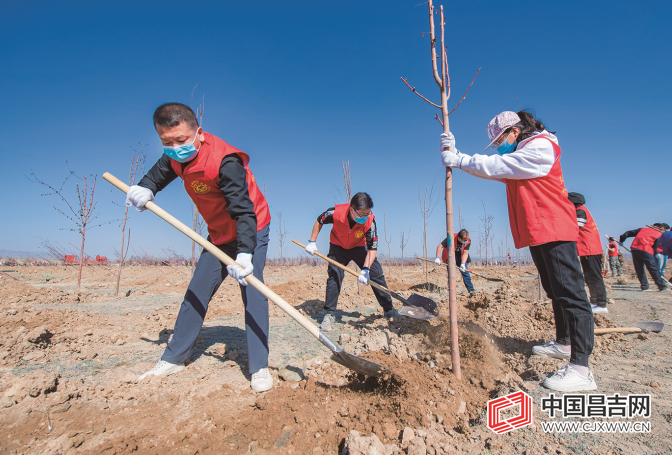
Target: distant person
[
  {"x": 614, "y": 261},
  {"x": 590, "y": 253},
  {"x": 666, "y": 246},
  {"x": 541, "y": 217},
  {"x": 643, "y": 249},
  {"x": 461, "y": 243},
  {"x": 218, "y": 180},
  {"x": 353, "y": 238},
  {"x": 661, "y": 258}
]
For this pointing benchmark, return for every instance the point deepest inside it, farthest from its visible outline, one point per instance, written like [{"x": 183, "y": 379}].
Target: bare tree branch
[
  {"x": 416, "y": 92},
  {"x": 465, "y": 93}
]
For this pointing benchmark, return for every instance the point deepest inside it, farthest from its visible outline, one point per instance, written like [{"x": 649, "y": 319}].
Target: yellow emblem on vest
[
  {"x": 359, "y": 234},
  {"x": 200, "y": 187}
]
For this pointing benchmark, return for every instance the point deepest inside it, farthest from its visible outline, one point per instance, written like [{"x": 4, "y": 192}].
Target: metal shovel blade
[
  {"x": 420, "y": 307},
  {"x": 351, "y": 361},
  {"x": 649, "y": 326},
  {"x": 358, "y": 364}
]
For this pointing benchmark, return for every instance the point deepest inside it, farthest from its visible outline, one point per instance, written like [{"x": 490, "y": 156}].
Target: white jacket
[{"x": 531, "y": 160}]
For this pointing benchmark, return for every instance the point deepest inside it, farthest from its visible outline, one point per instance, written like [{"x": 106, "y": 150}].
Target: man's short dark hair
[
  {"x": 169, "y": 115},
  {"x": 361, "y": 201},
  {"x": 663, "y": 226},
  {"x": 462, "y": 234}
]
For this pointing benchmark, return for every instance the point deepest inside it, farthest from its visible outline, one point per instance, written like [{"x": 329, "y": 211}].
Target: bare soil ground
[{"x": 69, "y": 361}]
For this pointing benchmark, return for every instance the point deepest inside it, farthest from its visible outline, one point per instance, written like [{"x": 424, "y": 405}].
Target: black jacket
[{"x": 232, "y": 184}]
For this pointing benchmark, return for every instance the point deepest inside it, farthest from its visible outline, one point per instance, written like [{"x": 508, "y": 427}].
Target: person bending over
[{"x": 353, "y": 238}]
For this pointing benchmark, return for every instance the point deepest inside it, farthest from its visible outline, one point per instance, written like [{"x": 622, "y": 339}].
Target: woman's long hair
[{"x": 527, "y": 125}]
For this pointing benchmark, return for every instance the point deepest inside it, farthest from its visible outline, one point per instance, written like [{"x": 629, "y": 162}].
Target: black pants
[
  {"x": 639, "y": 260},
  {"x": 207, "y": 278},
  {"x": 561, "y": 277},
  {"x": 335, "y": 280},
  {"x": 592, "y": 271}
]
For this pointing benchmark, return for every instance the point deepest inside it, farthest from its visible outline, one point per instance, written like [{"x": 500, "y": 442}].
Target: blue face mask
[
  {"x": 358, "y": 219},
  {"x": 506, "y": 147},
  {"x": 182, "y": 153}
]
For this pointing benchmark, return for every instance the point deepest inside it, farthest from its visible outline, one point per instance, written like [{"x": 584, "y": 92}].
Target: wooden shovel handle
[
  {"x": 219, "y": 254},
  {"x": 350, "y": 271},
  {"x": 618, "y": 329},
  {"x": 443, "y": 263}
]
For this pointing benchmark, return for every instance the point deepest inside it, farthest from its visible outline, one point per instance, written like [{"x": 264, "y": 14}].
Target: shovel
[
  {"x": 416, "y": 306},
  {"x": 644, "y": 326},
  {"x": 473, "y": 273},
  {"x": 346, "y": 359}
]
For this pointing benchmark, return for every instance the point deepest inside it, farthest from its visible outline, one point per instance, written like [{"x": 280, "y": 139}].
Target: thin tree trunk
[
  {"x": 121, "y": 252},
  {"x": 444, "y": 84},
  {"x": 81, "y": 257}
]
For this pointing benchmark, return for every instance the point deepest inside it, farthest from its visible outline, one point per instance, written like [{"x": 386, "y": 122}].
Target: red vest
[
  {"x": 589, "y": 242},
  {"x": 458, "y": 252},
  {"x": 615, "y": 247},
  {"x": 201, "y": 180},
  {"x": 539, "y": 211},
  {"x": 645, "y": 239},
  {"x": 342, "y": 235}
]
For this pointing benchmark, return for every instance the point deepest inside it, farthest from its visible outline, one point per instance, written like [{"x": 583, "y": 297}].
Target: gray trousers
[{"x": 207, "y": 278}]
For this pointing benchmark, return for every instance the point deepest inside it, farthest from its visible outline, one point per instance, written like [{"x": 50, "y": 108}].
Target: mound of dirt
[{"x": 414, "y": 393}]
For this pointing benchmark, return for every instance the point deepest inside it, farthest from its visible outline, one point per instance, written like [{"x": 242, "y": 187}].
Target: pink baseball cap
[{"x": 499, "y": 124}]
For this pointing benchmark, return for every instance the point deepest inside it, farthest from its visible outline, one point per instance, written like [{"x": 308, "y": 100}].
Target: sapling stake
[{"x": 443, "y": 81}]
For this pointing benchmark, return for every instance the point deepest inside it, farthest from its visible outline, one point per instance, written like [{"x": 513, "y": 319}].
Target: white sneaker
[
  {"x": 567, "y": 379},
  {"x": 261, "y": 380},
  {"x": 599, "y": 309},
  {"x": 551, "y": 349},
  {"x": 327, "y": 322},
  {"x": 163, "y": 368}
]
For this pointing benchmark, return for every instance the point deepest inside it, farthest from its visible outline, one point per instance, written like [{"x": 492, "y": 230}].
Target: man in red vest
[
  {"x": 643, "y": 249},
  {"x": 462, "y": 243},
  {"x": 589, "y": 248},
  {"x": 353, "y": 238},
  {"x": 614, "y": 261},
  {"x": 221, "y": 185}
]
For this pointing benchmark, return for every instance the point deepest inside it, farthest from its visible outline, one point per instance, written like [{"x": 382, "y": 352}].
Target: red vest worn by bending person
[
  {"x": 539, "y": 211},
  {"x": 342, "y": 235},
  {"x": 458, "y": 253},
  {"x": 615, "y": 252},
  {"x": 645, "y": 239},
  {"x": 589, "y": 242},
  {"x": 201, "y": 180}
]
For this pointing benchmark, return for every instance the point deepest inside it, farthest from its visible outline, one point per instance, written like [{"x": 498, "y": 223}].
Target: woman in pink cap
[{"x": 542, "y": 218}]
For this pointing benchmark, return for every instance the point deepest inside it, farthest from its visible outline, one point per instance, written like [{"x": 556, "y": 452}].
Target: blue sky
[{"x": 301, "y": 86}]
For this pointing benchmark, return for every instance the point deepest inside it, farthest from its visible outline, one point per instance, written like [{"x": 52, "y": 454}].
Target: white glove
[
  {"x": 448, "y": 142},
  {"x": 311, "y": 248},
  {"x": 364, "y": 277},
  {"x": 437, "y": 261},
  {"x": 452, "y": 159},
  {"x": 138, "y": 196},
  {"x": 463, "y": 267},
  {"x": 245, "y": 261}
]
